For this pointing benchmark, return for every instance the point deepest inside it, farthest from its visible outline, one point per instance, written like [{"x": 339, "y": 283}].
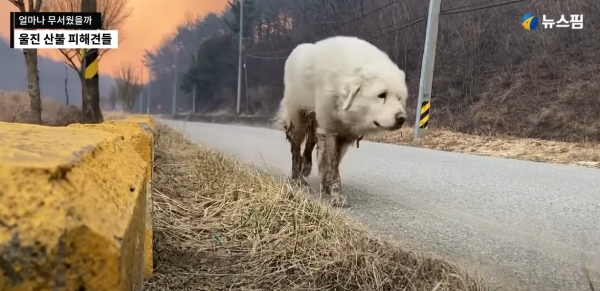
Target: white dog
[{"x": 336, "y": 91}]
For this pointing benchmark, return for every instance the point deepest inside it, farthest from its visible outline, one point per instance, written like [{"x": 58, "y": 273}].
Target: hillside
[
  {"x": 13, "y": 76},
  {"x": 492, "y": 77}
]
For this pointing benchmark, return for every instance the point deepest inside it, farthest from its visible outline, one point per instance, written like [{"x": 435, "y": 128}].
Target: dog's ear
[
  {"x": 350, "y": 87},
  {"x": 351, "y": 92}
]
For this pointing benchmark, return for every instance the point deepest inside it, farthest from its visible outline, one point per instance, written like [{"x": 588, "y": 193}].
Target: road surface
[{"x": 524, "y": 224}]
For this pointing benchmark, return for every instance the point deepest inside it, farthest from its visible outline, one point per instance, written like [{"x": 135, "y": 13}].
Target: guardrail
[{"x": 76, "y": 205}]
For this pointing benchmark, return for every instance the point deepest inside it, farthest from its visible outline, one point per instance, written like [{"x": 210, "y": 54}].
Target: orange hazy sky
[{"x": 149, "y": 23}]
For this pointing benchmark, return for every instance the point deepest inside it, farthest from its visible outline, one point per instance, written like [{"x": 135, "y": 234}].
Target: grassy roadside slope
[
  {"x": 222, "y": 226},
  {"x": 586, "y": 154}
]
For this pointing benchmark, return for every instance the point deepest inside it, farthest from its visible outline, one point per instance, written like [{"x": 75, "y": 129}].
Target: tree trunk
[
  {"x": 33, "y": 85},
  {"x": 90, "y": 106},
  {"x": 66, "y": 81}
]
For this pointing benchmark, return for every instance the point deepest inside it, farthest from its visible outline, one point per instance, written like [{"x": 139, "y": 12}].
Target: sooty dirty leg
[
  {"x": 311, "y": 141},
  {"x": 295, "y": 136},
  {"x": 328, "y": 168}
]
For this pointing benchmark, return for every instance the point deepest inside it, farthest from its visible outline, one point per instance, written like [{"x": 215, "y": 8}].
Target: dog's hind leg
[
  {"x": 311, "y": 141},
  {"x": 295, "y": 134}
]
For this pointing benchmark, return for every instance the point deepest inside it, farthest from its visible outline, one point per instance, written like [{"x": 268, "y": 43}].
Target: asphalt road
[{"x": 529, "y": 225}]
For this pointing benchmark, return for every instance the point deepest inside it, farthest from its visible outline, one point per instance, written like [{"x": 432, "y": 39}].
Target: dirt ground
[
  {"x": 220, "y": 225},
  {"x": 581, "y": 154}
]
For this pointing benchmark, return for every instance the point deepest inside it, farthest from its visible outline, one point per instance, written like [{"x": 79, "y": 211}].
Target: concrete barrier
[
  {"x": 74, "y": 203},
  {"x": 138, "y": 131}
]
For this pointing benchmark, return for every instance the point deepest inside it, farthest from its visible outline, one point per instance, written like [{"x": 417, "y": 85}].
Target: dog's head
[{"x": 375, "y": 99}]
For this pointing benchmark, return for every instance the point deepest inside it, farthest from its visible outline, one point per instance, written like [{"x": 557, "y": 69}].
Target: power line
[
  {"x": 368, "y": 13},
  {"x": 447, "y": 12},
  {"x": 265, "y": 58},
  {"x": 393, "y": 2},
  {"x": 338, "y": 15},
  {"x": 470, "y": 5},
  {"x": 414, "y": 22},
  {"x": 275, "y": 52},
  {"x": 422, "y": 18},
  {"x": 456, "y": 10},
  {"x": 451, "y": 11}
]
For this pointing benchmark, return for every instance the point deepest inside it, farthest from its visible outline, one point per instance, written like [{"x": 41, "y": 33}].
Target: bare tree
[
  {"x": 114, "y": 14},
  {"x": 113, "y": 98},
  {"x": 66, "y": 82},
  {"x": 31, "y": 62},
  {"x": 128, "y": 86}
]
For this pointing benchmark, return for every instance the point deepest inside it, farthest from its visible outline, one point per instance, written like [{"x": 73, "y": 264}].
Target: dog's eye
[{"x": 382, "y": 95}]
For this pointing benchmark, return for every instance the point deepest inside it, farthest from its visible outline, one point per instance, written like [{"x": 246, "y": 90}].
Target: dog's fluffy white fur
[{"x": 353, "y": 87}]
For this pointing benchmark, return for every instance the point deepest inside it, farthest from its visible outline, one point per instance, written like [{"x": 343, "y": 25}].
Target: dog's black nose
[{"x": 400, "y": 118}]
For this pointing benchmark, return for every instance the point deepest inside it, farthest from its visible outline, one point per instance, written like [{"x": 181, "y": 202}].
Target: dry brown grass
[
  {"x": 14, "y": 107},
  {"x": 582, "y": 154},
  {"x": 220, "y": 225}
]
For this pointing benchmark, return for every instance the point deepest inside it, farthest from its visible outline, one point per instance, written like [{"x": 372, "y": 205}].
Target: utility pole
[
  {"x": 239, "y": 85},
  {"x": 142, "y": 91},
  {"x": 246, "y": 87},
  {"x": 174, "y": 109},
  {"x": 195, "y": 64},
  {"x": 90, "y": 104},
  {"x": 149, "y": 90},
  {"x": 422, "y": 114}
]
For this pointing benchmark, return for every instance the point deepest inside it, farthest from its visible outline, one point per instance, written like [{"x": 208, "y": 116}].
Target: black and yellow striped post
[
  {"x": 89, "y": 59},
  {"x": 89, "y": 68},
  {"x": 424, "y": 118}
]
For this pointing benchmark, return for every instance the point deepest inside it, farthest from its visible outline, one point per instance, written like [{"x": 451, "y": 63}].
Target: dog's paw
[
  {"x": 337, "y": 198},
  {"x": 307, "y": 168},
  {"x": 339, "y": 201}
]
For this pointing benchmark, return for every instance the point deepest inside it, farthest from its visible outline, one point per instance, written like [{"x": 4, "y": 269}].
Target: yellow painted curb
[
  {"x": 138, "y": 131},
  {"x": 72, "y": 209}
]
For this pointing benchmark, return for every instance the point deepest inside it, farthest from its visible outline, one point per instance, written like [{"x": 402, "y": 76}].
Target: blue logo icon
[{"x": 529, "y": 21}]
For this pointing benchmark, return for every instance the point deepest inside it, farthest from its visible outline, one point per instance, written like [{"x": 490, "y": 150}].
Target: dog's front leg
[
  {"x": 328, "y": 167},
  {"x": 311, "y": 140}
]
